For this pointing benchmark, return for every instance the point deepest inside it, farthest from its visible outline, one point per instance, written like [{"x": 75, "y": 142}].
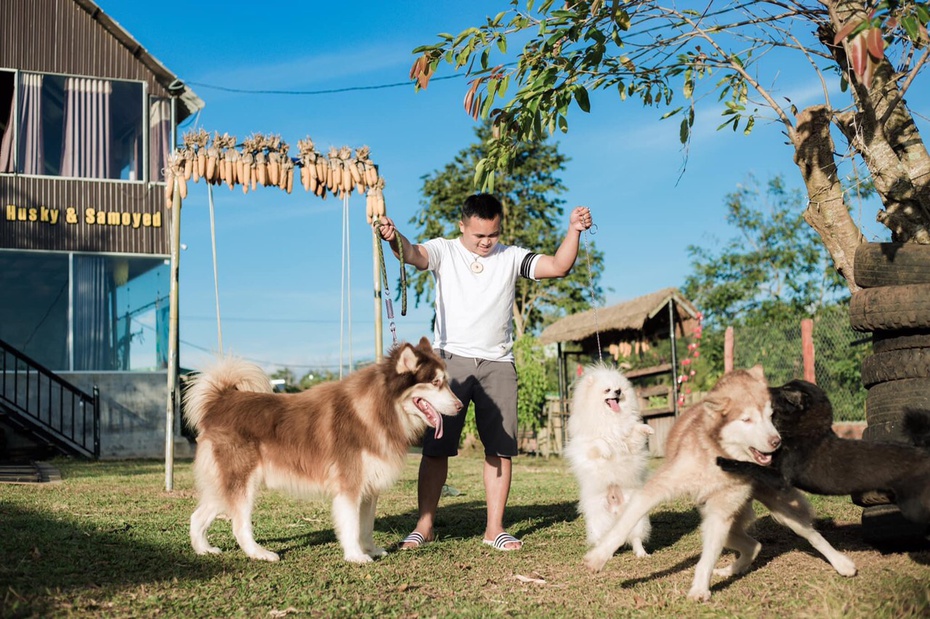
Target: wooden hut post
[
  {"x": 807, "y": 349},
  {"x": 671, "y": 335},
  {"x": 728, "y": 350}
]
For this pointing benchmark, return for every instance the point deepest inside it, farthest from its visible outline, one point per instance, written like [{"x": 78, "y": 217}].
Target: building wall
[
  {"x": 63, "y": 36},
  {"x": 132, "y": 414},
  {"x": 57, "y": 214},
  {"x": 74, "y": 37}
]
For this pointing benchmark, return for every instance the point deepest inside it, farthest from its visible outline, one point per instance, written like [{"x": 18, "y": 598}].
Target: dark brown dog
[{"x": 813, "y": 458}]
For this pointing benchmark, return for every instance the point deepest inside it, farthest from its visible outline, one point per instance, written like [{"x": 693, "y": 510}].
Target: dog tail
[{"x": 226, "y": 375}]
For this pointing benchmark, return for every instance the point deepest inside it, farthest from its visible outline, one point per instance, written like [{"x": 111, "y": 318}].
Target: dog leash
[
  {"x": 389, "y": 305},
  {"x": 587, "y": 255}
]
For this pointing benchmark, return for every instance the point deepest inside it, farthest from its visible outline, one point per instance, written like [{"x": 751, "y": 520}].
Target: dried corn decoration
[
  {"x": 264, "y": 160},
  {"x": 359, "y": 168},
  {"x": 175, "y": 172},
  {"x": 374, "y": 201},
  {"x": 309, "y": 177}
]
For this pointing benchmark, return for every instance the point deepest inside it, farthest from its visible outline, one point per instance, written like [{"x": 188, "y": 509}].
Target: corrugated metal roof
[
  {"x": 192, "y": 103},
  {"x": 628, "y": 316}
]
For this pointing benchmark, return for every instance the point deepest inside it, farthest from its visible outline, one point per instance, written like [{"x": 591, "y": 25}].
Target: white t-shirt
[{"x": 474, "y": 311}]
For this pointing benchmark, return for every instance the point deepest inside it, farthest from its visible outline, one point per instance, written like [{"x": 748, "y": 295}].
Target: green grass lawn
[{"x": 108, "y": 541}]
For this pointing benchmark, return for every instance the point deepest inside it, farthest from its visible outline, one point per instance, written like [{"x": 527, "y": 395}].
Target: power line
[{"x": 314, "y": 92}]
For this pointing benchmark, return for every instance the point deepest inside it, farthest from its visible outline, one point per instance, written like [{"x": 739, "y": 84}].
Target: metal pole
[{"x": 173, "y": 394}]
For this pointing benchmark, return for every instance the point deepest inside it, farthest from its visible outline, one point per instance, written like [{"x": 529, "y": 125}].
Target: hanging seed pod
[
  {"x": 245, "y": 170},
  {"x": 369, "y": 205},
  {"x": 239, "y": 171},
  {"x": 188, "y": 165},
  {"x": 371, "y": 174},
  {"x": 169, "y": 188},
  {"x": 230, "y": 176},
  {"x": 195, "y": 166},
  {"x": 274, "y": 168},
  {"x": 282, "y": 174},
  {"x": 353, "y": 170},
  {"x": 285, "y": 168},
  {"x": 261, "y": 170},
  {"x": 201, "y": 162},
  {"x": 305, "y": 176},
  {"x": 210, "y": 171}
]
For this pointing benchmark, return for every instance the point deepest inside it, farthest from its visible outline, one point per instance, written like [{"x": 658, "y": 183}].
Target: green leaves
[{"x": 581, "y": 98}]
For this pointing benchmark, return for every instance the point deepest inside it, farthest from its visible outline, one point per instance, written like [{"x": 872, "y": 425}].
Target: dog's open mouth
[
  {"x": 761, "y": 458},
  {"x": 614, "y": 404},
  {"x": 433, "y": 418}
]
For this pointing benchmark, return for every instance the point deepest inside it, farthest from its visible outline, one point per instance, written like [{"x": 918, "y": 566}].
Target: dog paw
[
  {"x": 376, "y": 552},
  {"x": 724, "y": 572},
  {"x": 699, "y": 594},
  {"x": 640, "y": 552},
  {"x": 264, "y": 555},
  {"x": 594, "y": 562},
  {"x": 844, "y": 566},
  {"x": 645, "y": 429},
  {"x": 208, "y": 550},
  {"x": 358, "y": 558}
]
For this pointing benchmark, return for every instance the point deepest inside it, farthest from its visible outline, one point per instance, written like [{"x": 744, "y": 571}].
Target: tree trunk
[
  {"x": 826, "y": 209},
  {"x": 883, "y": 133}
]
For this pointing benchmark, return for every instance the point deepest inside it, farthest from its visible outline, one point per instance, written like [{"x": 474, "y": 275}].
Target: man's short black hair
[{"x": 482, "y": 206}]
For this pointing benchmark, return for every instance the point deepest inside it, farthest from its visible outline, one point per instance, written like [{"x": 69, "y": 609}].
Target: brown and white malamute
[{"x": 346, "y": 439}]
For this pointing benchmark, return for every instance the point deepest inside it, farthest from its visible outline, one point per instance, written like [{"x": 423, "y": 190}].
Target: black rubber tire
[
  {"x": 891, "y": 264},
  {"x": 890, "y": 308},
  {"x": 896, "y": 365},
  {"x": 883, "y": 341},
  {"x": 889, "y": 403}
]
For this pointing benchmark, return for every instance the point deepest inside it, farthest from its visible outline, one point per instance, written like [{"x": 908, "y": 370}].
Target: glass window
[
  {"x": 159, "y": 137},
  {"x": 120, "y": 310},
  {"x": 80, "y": 127},
  {"x": 7, "y": 116},
  {"x": 120, "y": 313},
  {"x": 34, "y": 309}
]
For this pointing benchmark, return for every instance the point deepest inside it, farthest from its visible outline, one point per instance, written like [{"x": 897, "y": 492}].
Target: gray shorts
[{"x": 492, "y": 386}]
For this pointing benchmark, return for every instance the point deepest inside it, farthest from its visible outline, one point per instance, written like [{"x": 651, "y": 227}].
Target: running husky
[{"x": 734, "y": 420}]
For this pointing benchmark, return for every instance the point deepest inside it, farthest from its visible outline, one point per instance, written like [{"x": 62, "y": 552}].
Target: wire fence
[{"x": 838, "y": 355}]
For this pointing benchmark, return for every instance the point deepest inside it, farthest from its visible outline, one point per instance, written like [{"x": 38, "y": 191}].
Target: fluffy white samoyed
[{"x": 607, "y": 450}]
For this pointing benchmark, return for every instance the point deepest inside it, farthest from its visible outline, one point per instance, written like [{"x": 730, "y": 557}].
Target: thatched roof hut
[
  {"x": 616, "y": 330},
  {"x": 642, "y": 317}
]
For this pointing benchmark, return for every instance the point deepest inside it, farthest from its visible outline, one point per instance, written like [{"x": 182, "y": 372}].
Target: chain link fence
[{"x": 838, "y": 355}]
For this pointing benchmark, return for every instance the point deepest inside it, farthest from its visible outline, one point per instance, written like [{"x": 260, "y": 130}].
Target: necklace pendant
[{"x": 476, "y": 267}]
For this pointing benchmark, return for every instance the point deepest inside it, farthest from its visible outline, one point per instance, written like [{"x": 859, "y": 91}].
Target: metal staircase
[{"x": 47, "y": 408}]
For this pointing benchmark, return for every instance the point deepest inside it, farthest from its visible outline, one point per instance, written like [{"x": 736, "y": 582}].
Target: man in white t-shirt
[{"x": 475, "y": 279}]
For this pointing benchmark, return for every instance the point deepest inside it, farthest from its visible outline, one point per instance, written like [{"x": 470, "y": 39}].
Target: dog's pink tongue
[
  {"x": 438, "y": 428},
  {"x": 614, "y": 404}
]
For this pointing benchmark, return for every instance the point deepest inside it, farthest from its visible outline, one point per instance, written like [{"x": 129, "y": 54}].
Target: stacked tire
[{"x": 894, "y": 305}]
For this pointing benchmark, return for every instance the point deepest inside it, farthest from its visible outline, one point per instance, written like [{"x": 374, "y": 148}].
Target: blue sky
[{"x": 279, "y": 256}]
